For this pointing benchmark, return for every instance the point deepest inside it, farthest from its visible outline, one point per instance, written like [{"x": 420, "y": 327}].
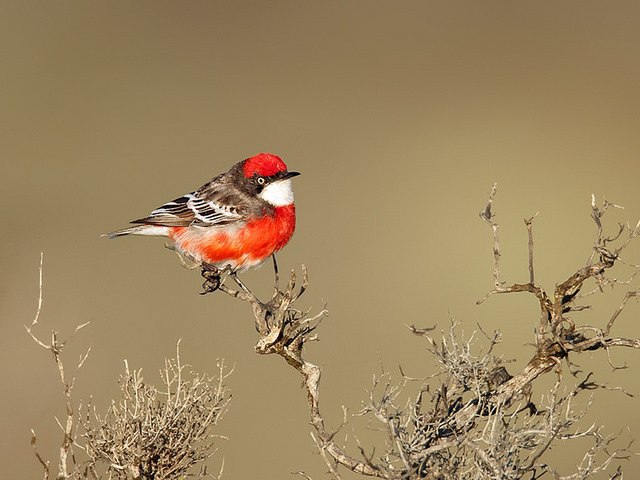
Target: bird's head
[{"x": 269, "y": 178}]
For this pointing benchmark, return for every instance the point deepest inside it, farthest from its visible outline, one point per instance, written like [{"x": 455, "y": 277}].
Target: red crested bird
[{"x": 234, "y": 222}]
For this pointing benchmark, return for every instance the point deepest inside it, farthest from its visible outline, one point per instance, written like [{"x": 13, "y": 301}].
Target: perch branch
[{"x": 283, "y": 330}]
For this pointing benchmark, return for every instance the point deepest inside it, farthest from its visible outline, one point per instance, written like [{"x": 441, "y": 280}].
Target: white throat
[{"x": 278, "y": 193}]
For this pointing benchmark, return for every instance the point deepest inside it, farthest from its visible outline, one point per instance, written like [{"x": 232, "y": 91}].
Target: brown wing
[
  {"x": 203, "y": 208},
  {"x": 225, "y": 200}
]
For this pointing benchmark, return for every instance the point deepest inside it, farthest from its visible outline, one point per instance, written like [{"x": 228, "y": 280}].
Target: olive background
[{"x": 400, "y": 116}]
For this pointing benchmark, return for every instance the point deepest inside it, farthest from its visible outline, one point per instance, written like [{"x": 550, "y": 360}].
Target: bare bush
[
  {"x": 429, "y": 437},
  {"x": 153, "y": 433},
  {"x": 473, "y": 419},
  {"x": 148, "y": 433}
]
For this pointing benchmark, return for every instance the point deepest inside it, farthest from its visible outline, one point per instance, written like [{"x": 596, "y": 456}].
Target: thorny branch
[{"x": 482, "y": 423}]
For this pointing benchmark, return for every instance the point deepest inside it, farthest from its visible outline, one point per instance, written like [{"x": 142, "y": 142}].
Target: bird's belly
[{"x": 240, "y": 247}]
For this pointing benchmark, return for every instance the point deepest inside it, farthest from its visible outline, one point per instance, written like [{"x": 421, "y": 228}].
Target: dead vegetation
[
  {"x": 471, "y": 419},
  {"x": 149, "y": 432}
]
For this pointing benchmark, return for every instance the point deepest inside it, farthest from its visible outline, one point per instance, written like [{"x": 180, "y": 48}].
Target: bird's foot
[{"x": 212, "y": 281}]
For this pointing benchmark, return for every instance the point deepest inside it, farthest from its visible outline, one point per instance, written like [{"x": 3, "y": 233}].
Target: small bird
[{"x": 235, "y": 221}]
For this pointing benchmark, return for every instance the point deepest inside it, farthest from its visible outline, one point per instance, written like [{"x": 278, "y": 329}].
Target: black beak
[{"x": 286, "y": 175}]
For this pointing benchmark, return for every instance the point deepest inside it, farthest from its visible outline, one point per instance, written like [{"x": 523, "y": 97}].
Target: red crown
[{"x": 263, "y": 164}]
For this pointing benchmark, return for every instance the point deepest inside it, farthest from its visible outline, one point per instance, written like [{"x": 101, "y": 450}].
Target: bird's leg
[
  {"x": 211, "y": 275},
  {"x": 275, "y": 270},
  {"x": 276, "y": 286},
  {"x": 241, "y": 284}
]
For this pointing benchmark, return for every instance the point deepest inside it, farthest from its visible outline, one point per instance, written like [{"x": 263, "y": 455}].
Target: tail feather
[{"x": 153, "y": 230}]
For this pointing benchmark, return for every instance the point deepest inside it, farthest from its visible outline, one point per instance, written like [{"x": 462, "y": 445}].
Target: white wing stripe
[{"x": 211, "y": 212}]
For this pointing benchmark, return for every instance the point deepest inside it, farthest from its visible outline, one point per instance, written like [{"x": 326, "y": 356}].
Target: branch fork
[{"x": 283, "y": 330}]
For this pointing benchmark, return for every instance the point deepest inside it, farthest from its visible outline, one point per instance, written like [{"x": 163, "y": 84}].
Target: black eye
[{"x": 260, "y": 180}]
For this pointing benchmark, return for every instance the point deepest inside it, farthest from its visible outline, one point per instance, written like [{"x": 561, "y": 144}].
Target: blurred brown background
[{"x": 400, "y": 115}]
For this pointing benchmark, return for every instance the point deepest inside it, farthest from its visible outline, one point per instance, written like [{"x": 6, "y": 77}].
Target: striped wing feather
[{"x": 194, "y": 209}]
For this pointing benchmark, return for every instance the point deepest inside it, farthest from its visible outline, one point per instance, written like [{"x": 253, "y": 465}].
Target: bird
[{"x": 232, "y": 223}]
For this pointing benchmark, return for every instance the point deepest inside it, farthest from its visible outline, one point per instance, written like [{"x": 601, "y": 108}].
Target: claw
[{"x": 211, "y": 275}]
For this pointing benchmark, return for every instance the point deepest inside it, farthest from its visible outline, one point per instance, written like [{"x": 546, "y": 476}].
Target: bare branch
[
  {"x": 635, "y": 294},
  {"x": 67, "y": 466},
  {"x": 39, "y": 309},
  {"x": 488, "y": 216},
  {"x": 302, "y": 474},
  {"x": 528, "y": 223},
  {"x": 45, "y": 464},
  {"x": 283, "y": 330}
]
